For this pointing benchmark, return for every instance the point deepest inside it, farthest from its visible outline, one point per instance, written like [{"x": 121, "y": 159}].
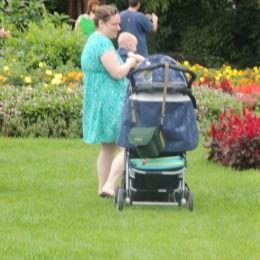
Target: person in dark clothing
[{"x": 138, "y": 24}]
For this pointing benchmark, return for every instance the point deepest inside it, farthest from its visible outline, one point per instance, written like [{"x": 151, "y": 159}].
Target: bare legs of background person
[{"x": 109, "y": 167}]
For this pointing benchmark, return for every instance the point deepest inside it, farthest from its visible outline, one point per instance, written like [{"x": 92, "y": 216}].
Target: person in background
[
  {"x": 127, "y": 47},
  {"x": 85, "y": 21},
  {"x": 105, "y": 85},
  {"x": 4, "y": 33},
  {"x": 138, "y": 24}
]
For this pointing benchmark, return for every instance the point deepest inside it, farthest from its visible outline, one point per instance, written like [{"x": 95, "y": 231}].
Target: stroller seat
[{"x": 161, "y": 164}]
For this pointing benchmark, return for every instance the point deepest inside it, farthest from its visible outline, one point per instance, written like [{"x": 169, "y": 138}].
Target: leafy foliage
[
  {"x": 45, "y": 112},
  {"x": 48, "y": 42},
  {"x": 58, "y": 19},
  {"x": 21, "y": 12},
  {"x": 210, "y": 104},
  {"x": 235, "y": 141},
  {"x": 209, "y": 32}
]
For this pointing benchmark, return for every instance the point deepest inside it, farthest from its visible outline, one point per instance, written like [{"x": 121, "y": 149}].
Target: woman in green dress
[
  {"x": 86, "y": 21},
  {"x": 104, "y": 91}
]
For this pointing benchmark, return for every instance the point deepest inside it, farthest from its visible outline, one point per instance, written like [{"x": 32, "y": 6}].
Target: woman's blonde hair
[{"x": 104, "y": 12}]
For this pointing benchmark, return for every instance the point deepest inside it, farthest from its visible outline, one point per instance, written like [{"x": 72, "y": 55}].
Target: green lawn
[{"x": 49, "y": 209}]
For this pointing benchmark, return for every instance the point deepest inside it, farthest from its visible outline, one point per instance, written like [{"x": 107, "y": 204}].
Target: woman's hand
[{"x": 112, "y": 64}]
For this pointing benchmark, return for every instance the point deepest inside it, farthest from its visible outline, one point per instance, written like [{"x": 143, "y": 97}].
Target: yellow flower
[
  {"x": 27, "y": 80},
  {"x": 6, "y": 68},
  {"x": 235, "y": 72},
  {"x": 69, "y": 90},
  {"x": 42, "y": 64},
  {"x": 56, "y": 81},
  {"x": 186, "y": 63},
  {"x": 1, "y": 77},
  {"x": 201, "y": 79},
  {"x": 58, "y": 76},
  {"x": 45, "y": 85},
  {"x": 48, "y": 72}
]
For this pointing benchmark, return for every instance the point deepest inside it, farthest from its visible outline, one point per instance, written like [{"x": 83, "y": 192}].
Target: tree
[
  {"x": 210, "y": 32},
  {"x": 76, "y": 7}
]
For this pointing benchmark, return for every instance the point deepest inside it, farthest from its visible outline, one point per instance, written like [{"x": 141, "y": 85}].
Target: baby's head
[{"x": 127, "y": 41}]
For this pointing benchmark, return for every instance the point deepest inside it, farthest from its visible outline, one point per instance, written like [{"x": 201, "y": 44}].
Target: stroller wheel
[
  {"x": 190, "y": 200},
  {"x": 171, "y": 197},
  {"x": 120, "y": 199},
  {"x": 186, "y": 193},
  {"x": 116, "y": 195}
]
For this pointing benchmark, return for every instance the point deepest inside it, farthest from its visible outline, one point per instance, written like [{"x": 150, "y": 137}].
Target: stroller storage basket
[{"x": 160, "y": 181}]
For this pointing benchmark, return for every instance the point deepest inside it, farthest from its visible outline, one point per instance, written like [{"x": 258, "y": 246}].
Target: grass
[{"x": 49, "y": 209}]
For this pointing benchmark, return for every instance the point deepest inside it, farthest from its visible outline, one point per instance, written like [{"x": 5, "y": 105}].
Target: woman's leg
[
  {"x": 116, "y": 170},
  {"x": 104, "y": 162}
]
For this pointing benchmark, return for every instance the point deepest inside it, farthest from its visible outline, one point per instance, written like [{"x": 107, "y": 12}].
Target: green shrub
[
  {"x": 211, "y": 103},
  {"x": 41, "y": 112},
  {"x": 21, "y": 12},
  {"x": 53, "y": 44}
]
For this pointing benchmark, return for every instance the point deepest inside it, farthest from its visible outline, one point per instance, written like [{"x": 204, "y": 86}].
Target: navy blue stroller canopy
[
  {"x": 179, "y": 126},
  {"x": 150, "y": 80}
]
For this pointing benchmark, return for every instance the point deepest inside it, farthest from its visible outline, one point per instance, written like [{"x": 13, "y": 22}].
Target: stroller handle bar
[{"x": 171, "y": 66}]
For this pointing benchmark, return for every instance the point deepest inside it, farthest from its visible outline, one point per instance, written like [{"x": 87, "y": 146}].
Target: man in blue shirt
[{"x": 138, "y": 24}]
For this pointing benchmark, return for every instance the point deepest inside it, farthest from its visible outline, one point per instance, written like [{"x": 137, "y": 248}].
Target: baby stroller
[{"x": 160, "y": 180}]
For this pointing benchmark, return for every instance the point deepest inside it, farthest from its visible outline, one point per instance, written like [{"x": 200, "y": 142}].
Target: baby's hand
[
  {"x": 130, "y": 54},
  {"x": 132, "y": 62},
  {"x": 137, "y": 57}
]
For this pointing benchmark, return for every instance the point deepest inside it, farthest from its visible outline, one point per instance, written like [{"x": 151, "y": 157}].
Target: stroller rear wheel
[{"x": 120, "y": 199}]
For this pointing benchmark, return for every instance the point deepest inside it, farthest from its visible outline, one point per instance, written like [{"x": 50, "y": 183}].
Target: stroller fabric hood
[{"x": 179, "y": 126}]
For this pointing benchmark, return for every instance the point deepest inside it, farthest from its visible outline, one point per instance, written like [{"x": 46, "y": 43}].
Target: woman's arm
[
  {"x": 112, "y": 64},
  {"x": 77, "y": 22}
]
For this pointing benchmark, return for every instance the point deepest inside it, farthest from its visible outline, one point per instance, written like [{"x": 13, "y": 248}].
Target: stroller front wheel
[
  {"x": 116, "y": 195},
  {"x": 190, "y": 200}
]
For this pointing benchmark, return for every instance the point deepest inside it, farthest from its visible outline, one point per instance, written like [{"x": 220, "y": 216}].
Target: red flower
[
  {"x": 213, "y": 130},
  {"x": 236, "y": 140},
  {"x": 222, "y": 116}
]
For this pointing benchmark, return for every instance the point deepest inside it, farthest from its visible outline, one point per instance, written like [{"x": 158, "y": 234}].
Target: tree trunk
[{"x": 75, "y": 7}]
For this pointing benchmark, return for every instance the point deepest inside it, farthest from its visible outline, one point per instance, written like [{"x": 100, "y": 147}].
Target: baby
[{"x": 127, "y": 43}]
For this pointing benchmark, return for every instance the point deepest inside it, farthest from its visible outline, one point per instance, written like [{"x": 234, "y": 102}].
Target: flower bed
[
  {"x": 235, "y": 141},
  {"x": 215, "y": 91},
  {"x": 244, "y": 84}
]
